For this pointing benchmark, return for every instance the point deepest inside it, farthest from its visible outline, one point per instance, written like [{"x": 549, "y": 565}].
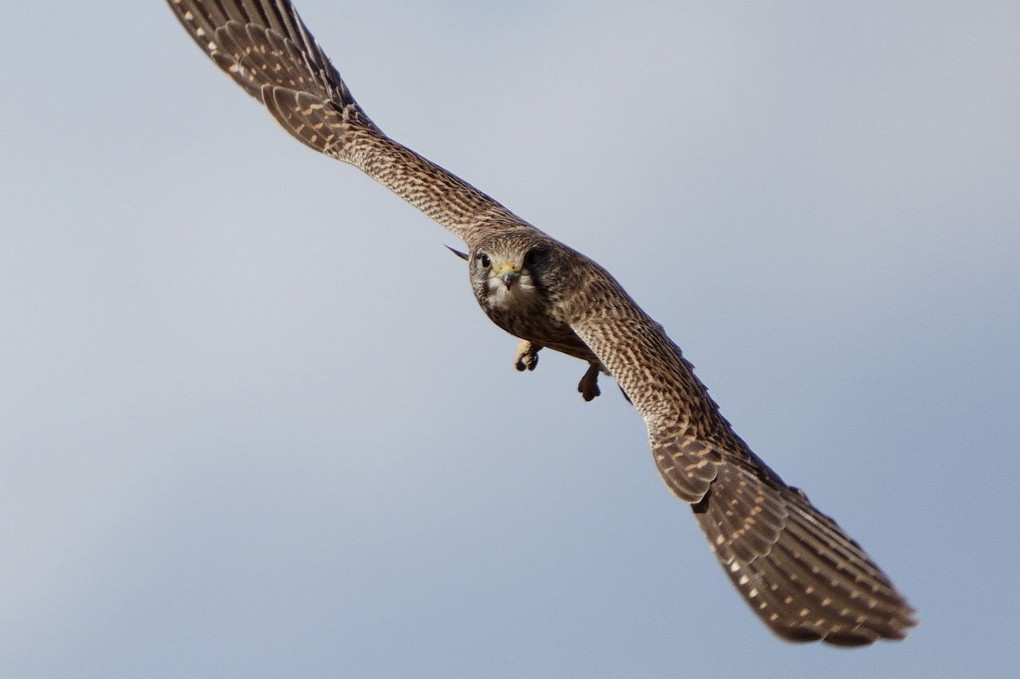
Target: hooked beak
[{"x": 508, "y": 274}]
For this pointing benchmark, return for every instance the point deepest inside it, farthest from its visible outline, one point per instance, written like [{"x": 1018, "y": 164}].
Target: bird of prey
[{"x": 796, "y": 568}]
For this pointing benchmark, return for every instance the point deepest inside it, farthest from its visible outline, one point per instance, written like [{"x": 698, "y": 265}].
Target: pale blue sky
[{"x": 254, "y": 424}]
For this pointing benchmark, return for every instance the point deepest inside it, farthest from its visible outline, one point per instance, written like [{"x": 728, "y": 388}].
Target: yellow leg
[{"x": 526, "y": 357}]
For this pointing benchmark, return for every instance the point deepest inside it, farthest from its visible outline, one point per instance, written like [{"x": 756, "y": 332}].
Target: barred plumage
[{"x": 799, "y": 572}]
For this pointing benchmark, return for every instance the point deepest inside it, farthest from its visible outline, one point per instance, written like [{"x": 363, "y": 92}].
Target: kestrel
[{"x": 796, "y": 568}]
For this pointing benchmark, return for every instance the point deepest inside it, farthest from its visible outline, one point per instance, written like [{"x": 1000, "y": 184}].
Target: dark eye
[
  {"x": 484, "y": 260},
  {"x": 531, "y": 257}
]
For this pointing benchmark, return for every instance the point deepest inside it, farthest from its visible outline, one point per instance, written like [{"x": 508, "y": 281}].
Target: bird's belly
[{"x": 543, "y": 331}]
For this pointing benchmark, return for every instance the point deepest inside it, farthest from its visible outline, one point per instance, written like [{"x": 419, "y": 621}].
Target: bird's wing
[
  {"x": 266, "y": 48},
  {"x": 799, "y": 572}
]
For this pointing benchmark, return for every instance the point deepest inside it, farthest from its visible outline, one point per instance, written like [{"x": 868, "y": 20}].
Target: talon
[
  {"x": 526, "y": 357},
  {"x": 589, "y": 384}
]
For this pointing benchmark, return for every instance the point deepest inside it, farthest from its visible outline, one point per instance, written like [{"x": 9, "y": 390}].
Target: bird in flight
[{"x": 796, "y": 568}]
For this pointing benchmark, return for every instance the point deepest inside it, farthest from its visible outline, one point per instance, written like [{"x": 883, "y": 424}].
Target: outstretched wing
[
  {"x": 266, "y": 48},
  {"x": 797, "y": 569}
]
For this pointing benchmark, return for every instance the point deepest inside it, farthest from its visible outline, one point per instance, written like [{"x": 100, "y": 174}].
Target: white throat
[{"x": 520, "y": 296}]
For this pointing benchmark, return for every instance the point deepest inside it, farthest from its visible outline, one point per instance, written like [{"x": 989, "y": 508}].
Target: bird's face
[{"x": 508, "y": 275}]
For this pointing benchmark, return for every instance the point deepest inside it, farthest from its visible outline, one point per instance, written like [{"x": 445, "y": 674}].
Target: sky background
[{"x": 253, "y": 424}]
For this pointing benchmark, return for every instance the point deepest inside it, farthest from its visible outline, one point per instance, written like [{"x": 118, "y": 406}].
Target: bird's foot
[
  {"x": 589, "y": 384},
  {"x": 526, "y": 357}
]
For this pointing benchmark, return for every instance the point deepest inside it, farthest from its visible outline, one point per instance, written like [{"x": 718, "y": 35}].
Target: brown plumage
[{"x": 799, "y": 572}]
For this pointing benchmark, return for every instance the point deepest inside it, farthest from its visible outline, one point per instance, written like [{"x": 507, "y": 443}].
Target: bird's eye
[
  {"x": 484, "y": 260},
  {"x": 531, "y": 257}
]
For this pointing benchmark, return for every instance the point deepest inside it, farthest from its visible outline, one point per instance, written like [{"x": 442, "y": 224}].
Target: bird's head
[{"x": 509, "y": 272}]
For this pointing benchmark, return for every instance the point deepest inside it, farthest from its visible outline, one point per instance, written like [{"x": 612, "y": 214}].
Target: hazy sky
[{"x": 254, "y": 424}]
